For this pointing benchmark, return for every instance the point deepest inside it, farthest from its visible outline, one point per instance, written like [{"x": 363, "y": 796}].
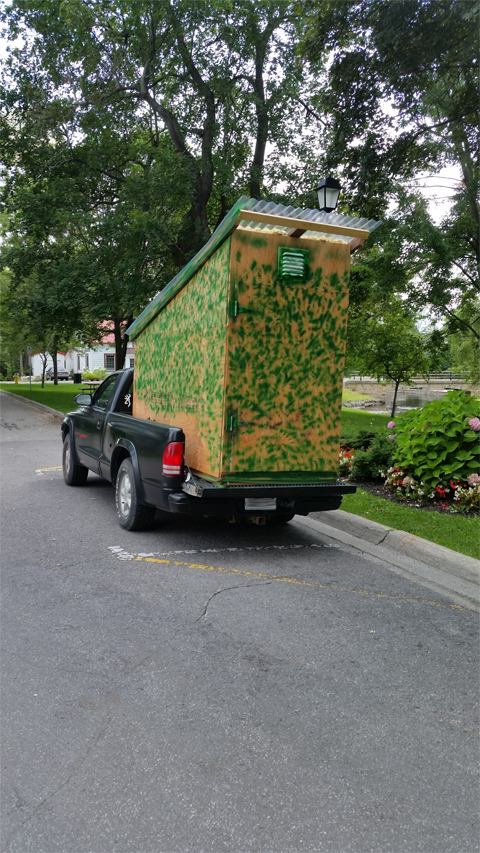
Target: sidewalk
[{"x": 439, "y": 568}]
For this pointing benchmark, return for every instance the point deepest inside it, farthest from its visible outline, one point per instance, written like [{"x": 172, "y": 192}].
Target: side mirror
[{"x": 83, "y": 399}]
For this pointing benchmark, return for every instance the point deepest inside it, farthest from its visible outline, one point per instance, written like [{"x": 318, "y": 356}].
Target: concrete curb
[
  {"x": 403, "y": 543},
  {"x": 41, "y": 406},
  {"x": 438, "y": 567}
]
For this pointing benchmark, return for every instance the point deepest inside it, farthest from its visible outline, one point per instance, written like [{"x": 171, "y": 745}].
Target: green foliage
[
  {"x": 360, "y": 440},
  {"x": 98, "y": 373},
  {"x": 420, "y": 59},
  {"x": 370, "y": 462},
  {"x": 127, "y": 133},
  {"x": 435, "y": 444},
  {"x": 465, "y": 344},
  {"x": 385, "y": 343}
]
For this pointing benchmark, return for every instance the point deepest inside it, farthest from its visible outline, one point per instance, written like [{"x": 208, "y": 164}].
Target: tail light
[{"x": 173, "y": 459}]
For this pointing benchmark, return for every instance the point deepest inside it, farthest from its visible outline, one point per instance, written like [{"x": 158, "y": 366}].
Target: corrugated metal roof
[
  {"x": 225, "y": 228},
  {"x": 307, "y": 215}
]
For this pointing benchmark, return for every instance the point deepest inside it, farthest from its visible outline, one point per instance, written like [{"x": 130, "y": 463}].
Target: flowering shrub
[
  {"x": 398, "y": 482},
  {"x": 437, "y": 444},
  {"x": 345, "y": 461},
  {"x": 466, "y": 496},
  {"x": 392, "y": 435}
]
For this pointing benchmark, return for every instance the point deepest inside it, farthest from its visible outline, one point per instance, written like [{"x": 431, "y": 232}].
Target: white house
[{"x": 86, "y": 359}]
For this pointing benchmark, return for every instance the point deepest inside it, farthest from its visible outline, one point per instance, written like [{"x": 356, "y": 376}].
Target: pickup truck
[{"x": 144, "y": 460}]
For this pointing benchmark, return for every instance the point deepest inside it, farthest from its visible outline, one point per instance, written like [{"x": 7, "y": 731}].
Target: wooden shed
[{"x": 244, "y": 349}]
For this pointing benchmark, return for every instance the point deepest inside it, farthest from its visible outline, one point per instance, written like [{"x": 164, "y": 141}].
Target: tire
[
  {"x": 73, "y": 474},
  {"x": 132, "y": 515}
]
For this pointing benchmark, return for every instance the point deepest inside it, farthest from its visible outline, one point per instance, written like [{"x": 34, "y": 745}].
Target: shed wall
[
  {"x": 180, "y": 363},
  {"x": 285, "y": 362}
]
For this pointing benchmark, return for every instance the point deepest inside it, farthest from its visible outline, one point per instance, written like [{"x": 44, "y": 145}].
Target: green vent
[{"x": 293, "y": 264}]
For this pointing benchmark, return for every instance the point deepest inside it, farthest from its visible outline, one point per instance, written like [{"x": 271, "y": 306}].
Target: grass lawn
[
  {"x": 60, "y": 397},
  {"x": 349, "y": 396},
  {"x": 354, "y": 420},
  {"x": 453, "y": 531}
]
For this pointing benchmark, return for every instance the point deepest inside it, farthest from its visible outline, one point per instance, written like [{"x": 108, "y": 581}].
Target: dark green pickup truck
[{"x": 145, "y": 462}]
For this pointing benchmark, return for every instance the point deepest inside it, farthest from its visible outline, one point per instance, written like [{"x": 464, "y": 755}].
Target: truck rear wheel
[
  {"x": 73, "y": 474},
  {"x": 132, "y": 515}
]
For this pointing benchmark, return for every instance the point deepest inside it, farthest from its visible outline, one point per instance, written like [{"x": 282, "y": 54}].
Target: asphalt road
[{"x": 208, "y": 687}]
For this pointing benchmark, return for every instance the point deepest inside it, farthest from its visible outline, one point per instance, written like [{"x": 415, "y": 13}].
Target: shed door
[{"x": 285, "y": 355}]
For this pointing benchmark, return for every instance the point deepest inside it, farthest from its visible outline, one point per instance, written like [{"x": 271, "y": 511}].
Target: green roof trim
[{"x": 161, "y": 299}]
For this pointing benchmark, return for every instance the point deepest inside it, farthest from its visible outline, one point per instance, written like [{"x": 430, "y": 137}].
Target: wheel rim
[
  {"x": 67, "y": 459},
  {"x": 125, "y": 494}
]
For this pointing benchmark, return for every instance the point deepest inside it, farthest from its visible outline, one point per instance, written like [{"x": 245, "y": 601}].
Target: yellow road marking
[
  {"x": 55, "y": 468},
  {"x": 263, "y": 576}
]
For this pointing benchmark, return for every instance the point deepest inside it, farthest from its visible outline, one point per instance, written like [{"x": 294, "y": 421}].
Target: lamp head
[{"x": 328, "y": 191}]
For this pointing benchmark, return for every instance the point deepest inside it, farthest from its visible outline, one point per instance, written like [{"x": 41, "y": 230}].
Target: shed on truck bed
[{"x": 244, "y": 349}]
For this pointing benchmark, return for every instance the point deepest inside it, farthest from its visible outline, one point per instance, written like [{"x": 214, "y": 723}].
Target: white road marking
[{"x": 122, "y": 554}]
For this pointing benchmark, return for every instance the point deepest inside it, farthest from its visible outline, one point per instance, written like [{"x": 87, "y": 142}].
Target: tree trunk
[
  {"x": 397, "y": 383},
  {"x": 54, "y": 354},
  {"x": 21, "y": 364},
  {"x": 121, "y": 340},
  {"x": 44, "y": 356},
  {"x": 256, "y": 169}
]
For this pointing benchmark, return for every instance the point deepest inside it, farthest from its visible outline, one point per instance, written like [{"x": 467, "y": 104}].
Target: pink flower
[
  {"x": 392, "y": 436},
  {"x": 474, "y": 423},
  {"x": 391, "y": 424},
  {"x": 473, "y": 479}
]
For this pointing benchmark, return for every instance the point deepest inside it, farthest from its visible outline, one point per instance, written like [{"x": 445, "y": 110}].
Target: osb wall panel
[
  {"x": 179, "y": 364},
  {"x": 285, "y": 359}
]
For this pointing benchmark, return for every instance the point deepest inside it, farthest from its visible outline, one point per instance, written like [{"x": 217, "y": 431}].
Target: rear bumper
[{"x": 290, "y": 499}]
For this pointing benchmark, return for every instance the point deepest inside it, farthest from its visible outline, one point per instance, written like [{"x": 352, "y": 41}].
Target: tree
[
  {"x": 419, "y": 57},
  {"x": 465, "y": 346},
  {"x": 129, "y": 132},
  {"x": 25, "y": 320},
  {"x": 217, "y": 80},
  {"x": 388, "y": 346}
]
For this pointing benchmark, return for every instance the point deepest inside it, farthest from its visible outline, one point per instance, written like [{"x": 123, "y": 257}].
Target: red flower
[
  {"x": 452, "y": 484},
  {"x": 440, "y": 491}
]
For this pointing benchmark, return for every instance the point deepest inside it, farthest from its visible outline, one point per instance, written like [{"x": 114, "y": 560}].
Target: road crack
[
  {"x": 385, "y": 536},
  {"x": 226, "y": 589}
]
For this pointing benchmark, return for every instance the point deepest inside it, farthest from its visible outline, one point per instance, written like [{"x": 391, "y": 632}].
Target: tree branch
[{"x": 467, "y": 274}]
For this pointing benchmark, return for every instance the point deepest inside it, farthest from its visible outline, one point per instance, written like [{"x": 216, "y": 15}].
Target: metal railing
[{"x": 448, "y": 375}]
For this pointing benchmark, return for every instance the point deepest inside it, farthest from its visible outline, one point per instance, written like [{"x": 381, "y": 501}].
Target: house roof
[{"x": 259, "y": 215}]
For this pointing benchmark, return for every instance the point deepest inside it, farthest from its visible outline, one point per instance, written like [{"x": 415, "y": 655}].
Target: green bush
[
  {"x": 368, "y": 464},
  {"x": 358, "y": 441},
  {"x": 436, "y": 444},
  {"x": 92, "y": 375}
]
